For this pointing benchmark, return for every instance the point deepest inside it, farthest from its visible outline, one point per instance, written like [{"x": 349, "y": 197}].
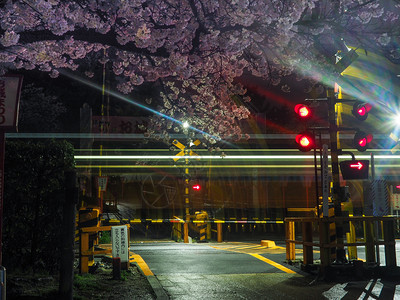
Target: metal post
[
  {"x": 340, "y": 253},
  {"x": 84, "y": 248},
  {"x": 290, "y": 236},
  {"x": 390, "y": 243},
  {"x": 324, "y": 242},
  {"x": 369, "y": 241},
  {"x": 307, "y": 248}
]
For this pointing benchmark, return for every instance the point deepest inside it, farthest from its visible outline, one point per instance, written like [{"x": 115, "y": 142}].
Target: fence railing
[{"x": 370, "y": 232}]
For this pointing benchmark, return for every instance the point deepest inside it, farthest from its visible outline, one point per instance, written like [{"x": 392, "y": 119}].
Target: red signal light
[
  {"x": 361, "y": 110},
  {"x": 196, "y": 187},
  {"x": 305, "y": 141},
  {"x": 361, "y": 141},
  {"x": 303, "y": 111}
]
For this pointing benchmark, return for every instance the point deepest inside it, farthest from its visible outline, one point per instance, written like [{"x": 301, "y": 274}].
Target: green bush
[
  {"x": 33, "y": 201},
  {"x": 105, "y": 237}
]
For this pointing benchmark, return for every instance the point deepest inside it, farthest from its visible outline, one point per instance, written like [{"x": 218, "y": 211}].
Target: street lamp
[{"x": 185, "y": 124}]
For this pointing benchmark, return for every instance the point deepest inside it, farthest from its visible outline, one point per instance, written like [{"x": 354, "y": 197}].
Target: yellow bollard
[
  {"x": 186, "y": 232},
  {"x": 219, "y": 232}
]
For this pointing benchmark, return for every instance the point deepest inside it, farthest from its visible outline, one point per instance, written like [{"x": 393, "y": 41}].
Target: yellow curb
[{"x": 268, "y": 244}]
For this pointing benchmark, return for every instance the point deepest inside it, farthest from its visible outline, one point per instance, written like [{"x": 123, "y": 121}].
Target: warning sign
[
  {"x": 120, "y": 243},
  {"x": 102, "y": 183}
]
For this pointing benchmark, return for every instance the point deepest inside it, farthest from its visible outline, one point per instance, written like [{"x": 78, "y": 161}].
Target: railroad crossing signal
[
  {"x": 183, "y": 147},
  {"x": 305, "y": 141},
  {"x": 360, "y": 110},
  {"x": 354, "y": 169},
  {"x": 303, "y": 111},
  {"x": 362, "y": 140}
]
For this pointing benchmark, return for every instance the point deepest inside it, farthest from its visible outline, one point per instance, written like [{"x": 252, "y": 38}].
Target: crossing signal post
[{"x": 354, "y": 169}]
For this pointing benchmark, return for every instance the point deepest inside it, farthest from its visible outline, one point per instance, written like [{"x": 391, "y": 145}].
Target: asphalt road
[{"x": 244, "y": 271}]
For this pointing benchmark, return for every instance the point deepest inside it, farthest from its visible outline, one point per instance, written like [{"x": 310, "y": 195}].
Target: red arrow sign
[
  {"x": 196, "y": 187},
  {"x": 358, "y": 165}
]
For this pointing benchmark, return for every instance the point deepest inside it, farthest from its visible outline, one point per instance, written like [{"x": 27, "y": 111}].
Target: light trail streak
[
  {"x": 219, "y": 157},
  {"x": 194, "y": 166},
  {"x": 209, "y": 157},
  {"x": 130, "y": 101}
]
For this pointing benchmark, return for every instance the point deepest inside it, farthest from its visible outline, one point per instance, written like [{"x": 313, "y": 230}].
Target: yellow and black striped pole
[{"x": 187, "y": 202}]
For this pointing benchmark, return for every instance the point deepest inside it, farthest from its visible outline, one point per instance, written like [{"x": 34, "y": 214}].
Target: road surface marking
[
  {"x": 142, "y": 265},
  {"x": 336, "y": 292},
  {"x": 272, "y": 263}
]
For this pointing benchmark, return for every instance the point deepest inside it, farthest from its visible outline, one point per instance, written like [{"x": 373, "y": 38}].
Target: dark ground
[{"x": 98, "y": 285}]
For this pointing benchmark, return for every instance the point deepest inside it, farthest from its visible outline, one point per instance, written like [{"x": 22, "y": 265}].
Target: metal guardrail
[
  {"x": 327, "y": 239},
  {"x": 85, "y": 252}
]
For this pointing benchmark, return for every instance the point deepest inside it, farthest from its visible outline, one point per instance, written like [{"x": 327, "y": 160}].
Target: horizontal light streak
[
  {"x": 213, "y": 166},
  {"x": 240, "y": 157},
  {"x": 194, "y": 166},
  {"x": 219, "y": 157},
  {"x": 266, "y": 150}
]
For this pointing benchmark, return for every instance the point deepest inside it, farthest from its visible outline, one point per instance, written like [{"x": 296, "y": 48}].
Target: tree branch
[{"x": 90, "y": 36}]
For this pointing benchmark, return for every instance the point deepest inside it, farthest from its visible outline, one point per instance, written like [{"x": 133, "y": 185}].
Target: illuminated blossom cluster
[{"x": 194, "y": 48}]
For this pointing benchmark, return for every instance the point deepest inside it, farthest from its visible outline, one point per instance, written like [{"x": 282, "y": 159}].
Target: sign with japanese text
[
  {"x": 118, "y": 124},
  {"x": 120, "y": 243}
]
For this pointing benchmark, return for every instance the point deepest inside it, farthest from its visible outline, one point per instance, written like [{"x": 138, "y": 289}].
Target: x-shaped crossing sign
[{"x": 183, "y": 147}]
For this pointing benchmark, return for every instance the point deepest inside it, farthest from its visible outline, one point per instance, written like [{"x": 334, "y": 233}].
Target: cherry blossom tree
[{"x": 195, "y": 49}]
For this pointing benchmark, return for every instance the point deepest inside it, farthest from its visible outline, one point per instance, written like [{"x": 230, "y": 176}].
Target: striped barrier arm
[{"x": 147, "y": 221}]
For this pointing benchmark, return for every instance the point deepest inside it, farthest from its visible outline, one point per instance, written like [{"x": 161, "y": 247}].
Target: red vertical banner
[
  {"x": 2, "y": 150},
  {"x": 10, "y": 90}
]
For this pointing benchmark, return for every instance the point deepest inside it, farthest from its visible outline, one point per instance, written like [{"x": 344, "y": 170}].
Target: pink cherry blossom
[{"x": 195, "y": 49}]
